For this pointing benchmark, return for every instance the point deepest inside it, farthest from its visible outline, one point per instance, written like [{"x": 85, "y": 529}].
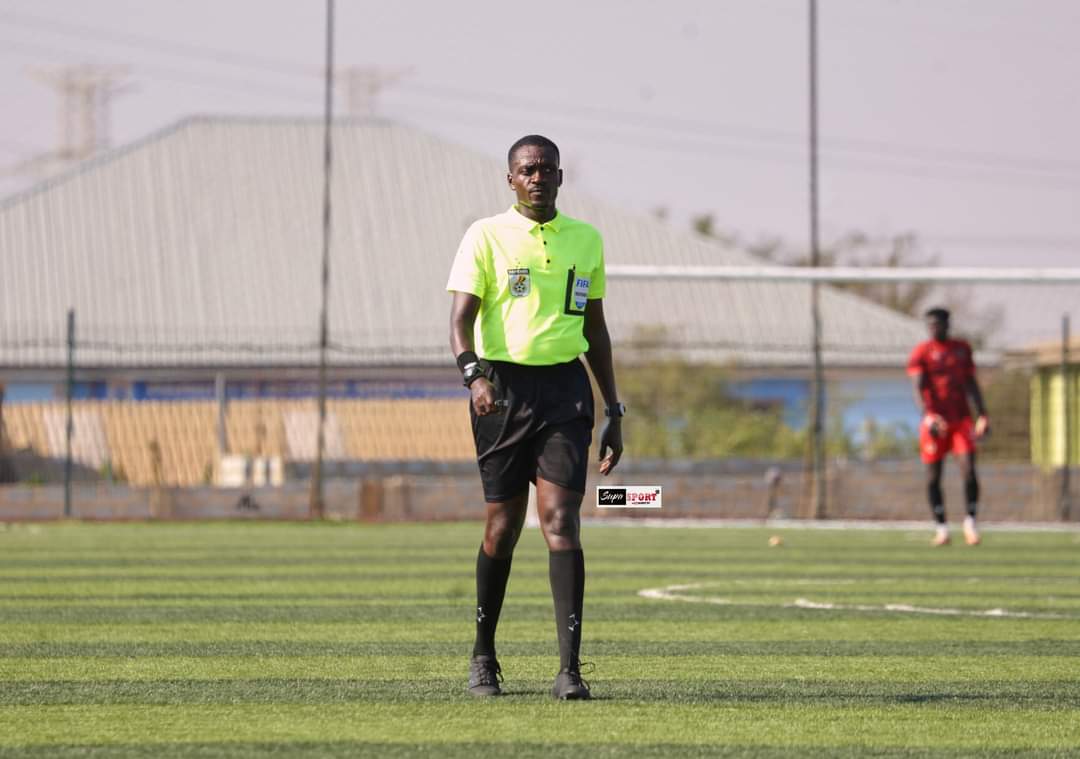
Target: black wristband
[
  {"x": 470, "y": 375},
  {"x": 466, "y": 358}
]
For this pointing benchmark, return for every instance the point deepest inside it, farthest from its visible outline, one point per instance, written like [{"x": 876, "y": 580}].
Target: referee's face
[{"x": 535, "y": 177}]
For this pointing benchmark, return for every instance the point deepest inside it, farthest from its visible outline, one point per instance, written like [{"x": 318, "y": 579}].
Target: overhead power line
[
  {"x": 702, "y": 146},
  {"x": 161, "y": 45},
  {"x": 176, "y": 75},
  {"x": 1056, "y": 166},
  {"x": 702, "y": 142},
  {"x": 789, "y": 138}
]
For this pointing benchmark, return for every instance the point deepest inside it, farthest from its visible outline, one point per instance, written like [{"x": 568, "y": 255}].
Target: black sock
[
  {"x": 567, "y": 573},
  {"x": 937, "y": 501},
  {"x": 971, "y": 491},
  {"x": 491, "y": 577}
]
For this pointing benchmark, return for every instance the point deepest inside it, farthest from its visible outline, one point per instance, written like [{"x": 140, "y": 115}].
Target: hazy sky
[{"x": 953, "y": 119}]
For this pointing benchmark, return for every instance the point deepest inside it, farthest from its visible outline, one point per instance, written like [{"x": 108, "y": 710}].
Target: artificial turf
[{"x": 261, "y": 639}]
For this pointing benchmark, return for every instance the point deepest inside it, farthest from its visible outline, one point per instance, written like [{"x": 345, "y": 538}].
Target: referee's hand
[
  {"x": 610, "y": 445},
  {"x": 483, "y": 396}
]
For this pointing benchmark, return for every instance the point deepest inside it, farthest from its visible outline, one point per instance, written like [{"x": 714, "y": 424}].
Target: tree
[
  {"x": 978, "y": 322},
  {"x": 683, "y": 411},
  {"x": 1008, "y": 398},
  {"x": 686, "y": 411}
]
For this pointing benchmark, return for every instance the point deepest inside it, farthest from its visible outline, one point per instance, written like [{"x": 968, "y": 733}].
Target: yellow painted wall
[
  {"x": 371, "y": 430},
  {"x": 1048, "y": 417}
]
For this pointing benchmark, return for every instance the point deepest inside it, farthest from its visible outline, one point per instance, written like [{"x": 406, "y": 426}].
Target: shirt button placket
[{"x": 544, "y": 242}]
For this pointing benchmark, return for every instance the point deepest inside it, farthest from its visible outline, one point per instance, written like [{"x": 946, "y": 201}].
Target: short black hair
[
  {"x": 938, "y": 313},
  {"x": 535, "y": 140}
]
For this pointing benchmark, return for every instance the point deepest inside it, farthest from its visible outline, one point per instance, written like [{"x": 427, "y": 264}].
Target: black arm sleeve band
[{"x": 466, "y": 358}]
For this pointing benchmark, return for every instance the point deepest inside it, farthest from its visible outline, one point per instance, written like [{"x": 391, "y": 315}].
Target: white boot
[
  {"x": 971, "y": 535},
  {"x": 941, "y": 537}
]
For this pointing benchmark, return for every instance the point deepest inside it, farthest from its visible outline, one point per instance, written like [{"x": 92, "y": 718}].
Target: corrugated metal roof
[{"x": 201, "y": 245}]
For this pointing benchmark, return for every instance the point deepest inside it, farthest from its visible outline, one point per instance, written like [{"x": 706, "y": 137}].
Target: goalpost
[
  {"x": 850, "y": 274},
  {"x": 1025, "y": 340}
]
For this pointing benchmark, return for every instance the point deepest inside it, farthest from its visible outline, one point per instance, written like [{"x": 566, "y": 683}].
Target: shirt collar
[{"x": 519, "y": 219}]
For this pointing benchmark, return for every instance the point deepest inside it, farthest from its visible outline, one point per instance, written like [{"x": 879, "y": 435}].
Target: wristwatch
[
  {"x": 472, "y": 373},
  {"x": 619, "y": 409}
]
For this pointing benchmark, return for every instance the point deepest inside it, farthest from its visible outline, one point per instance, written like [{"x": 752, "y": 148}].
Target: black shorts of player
[{"x": 544, "y": 428}]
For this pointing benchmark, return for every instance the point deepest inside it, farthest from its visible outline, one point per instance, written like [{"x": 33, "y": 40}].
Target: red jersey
[{"x": 948, "y": 367}]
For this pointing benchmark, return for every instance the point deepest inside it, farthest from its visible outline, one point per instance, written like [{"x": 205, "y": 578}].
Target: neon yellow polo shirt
[{"x": 533, "y": 281}]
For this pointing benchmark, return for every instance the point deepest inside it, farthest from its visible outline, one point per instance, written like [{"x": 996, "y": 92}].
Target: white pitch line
[
  {"x": 824, "y": 524},
  {"x": 668, "y": 594},
  {"x": 803, "y": 603},
  {"x": 803, "y": 581},
  {"x": 672, "y": 593}
]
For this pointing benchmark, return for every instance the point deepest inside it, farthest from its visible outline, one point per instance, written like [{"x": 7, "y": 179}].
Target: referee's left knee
[{"x": 562, "y": 523}]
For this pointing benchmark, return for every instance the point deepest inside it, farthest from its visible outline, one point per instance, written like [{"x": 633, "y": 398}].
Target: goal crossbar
[{"x": 848, "y": 274}]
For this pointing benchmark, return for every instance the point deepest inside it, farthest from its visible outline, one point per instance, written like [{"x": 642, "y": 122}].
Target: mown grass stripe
[
  {"x": 1066, "y": 610},
  {"x": 819, "y": 629},
  {"x": 1059, "y": 562},
  {"x": 689, "y": 668},
  {"x": 759, "y": 580},
  {"x": 430, "y": 610},
  {"x": 611, "y": 721},
  {"x": 520, "y": 750},
  {"x": 1030, "y": 595},
  {"x": 1054, "y": 695},
  {"x": 519, "y": 647},
  {"x": 422, "y": 567}
]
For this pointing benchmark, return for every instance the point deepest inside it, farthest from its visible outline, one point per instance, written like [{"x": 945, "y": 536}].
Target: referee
[{"x": 528, "y": 285}]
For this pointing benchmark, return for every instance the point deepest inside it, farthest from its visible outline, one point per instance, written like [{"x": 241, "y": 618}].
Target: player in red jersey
[{"x": 942, "y": 374}]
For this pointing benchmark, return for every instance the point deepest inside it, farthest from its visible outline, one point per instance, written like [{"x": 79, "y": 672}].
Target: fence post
[
  {"x": 316, "y": 501},
  {"x": 221, "y": 397},
  {"x": 819, "y": 493},
  {"x": 7, "y": 473},
  {"x": 1066, "y": 422},
  {"x": 69, "y": 422}
]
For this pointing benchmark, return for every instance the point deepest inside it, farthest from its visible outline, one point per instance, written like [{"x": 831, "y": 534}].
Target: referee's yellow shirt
[{"x": 533, "y": 281}]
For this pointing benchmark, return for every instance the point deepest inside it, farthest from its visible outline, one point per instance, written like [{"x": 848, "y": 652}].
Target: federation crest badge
[{"x": 520, "y": 282}]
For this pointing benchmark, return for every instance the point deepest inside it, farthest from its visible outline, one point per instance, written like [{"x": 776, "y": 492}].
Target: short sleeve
[
  {"x": 468, "y": 272},
  {"x": 915, "y": 364},
  {"x": 598, "y": 285}
]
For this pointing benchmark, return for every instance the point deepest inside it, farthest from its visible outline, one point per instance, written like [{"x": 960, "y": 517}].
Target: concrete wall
[{"x": 727, "y": 490}]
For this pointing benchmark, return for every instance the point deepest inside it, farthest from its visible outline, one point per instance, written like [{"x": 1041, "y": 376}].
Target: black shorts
[{"x": 545, "y": 429}]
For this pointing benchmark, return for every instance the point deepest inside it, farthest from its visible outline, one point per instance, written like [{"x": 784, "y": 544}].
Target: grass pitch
[{"x": 245, "y": 640}]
